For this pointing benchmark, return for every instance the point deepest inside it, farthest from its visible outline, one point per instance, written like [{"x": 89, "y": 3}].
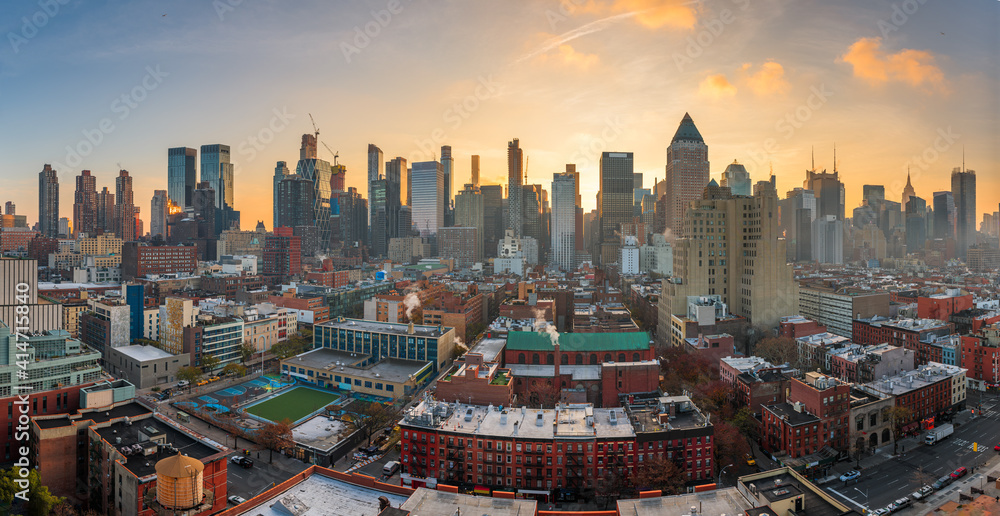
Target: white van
[{"x": 390, "y": 468}]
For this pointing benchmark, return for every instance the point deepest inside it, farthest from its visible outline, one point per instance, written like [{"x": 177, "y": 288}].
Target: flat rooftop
[
  {"x": 419, "y": 330},
  {"x": 431, "y": 502},
  {"x": 721, "y": 501},
  {"x": 143, "y": 353},
  {"x": 137, "y": 433},
  {"x": 490, "y": 349},
  {"x": 389, "y": 369},
  {"x": 795, "y": 418},
  {"x": 572, "y": 420},
  {"x": 321, "y": 433},
  {"x": 318, "y": 495}
]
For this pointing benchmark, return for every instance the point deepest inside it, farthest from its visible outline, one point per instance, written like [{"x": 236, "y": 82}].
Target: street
[{"x": 899, "y": 476}]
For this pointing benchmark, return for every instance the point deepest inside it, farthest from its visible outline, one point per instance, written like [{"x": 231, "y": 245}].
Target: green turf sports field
[{"x": 294, "y": 404}]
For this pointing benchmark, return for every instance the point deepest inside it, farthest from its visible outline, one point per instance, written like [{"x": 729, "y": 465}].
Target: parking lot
[{"x": 250, "y": 482}]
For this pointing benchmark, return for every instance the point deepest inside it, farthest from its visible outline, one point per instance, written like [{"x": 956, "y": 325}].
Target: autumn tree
[
  {"x": 375, "y": 416},
  {"x": 662, "y": 474},
  {"x": 899, "y": 417},
  {"x": 612, "y": 486},
  {"x": 247, "y": 352},
  {"x": 41, "y": 501},
  {"x": 209, "y": 363},
  {"x": 747, "y": 425},
  {"x": 730, "y": 446},
  {"x": 234, "y": 370},
  {"x": 778, "y": 350},
  {"x": 275, "y": 436},
  {"x": 189, "y": 374},
  {"x": 922, "y": 477}
]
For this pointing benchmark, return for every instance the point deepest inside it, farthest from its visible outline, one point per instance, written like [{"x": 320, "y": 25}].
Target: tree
[
  {"x": 190, "y": 374},
  {"x": 209, "y": 363},
  {"x": 778, "y": 350},
  {"x": 921, "y": 477},
  {"x": 40, "y": 501},
  {"x": 898, "y": 418},
  {"x": 290, "y": 347},
  {"x": 662, "y": 474},
  {"x": 730, "y": 446},
  {"x": 246, "y": 352},
  {"x": 747, "y": 425},
  {"x": 612, "y": 487},
  {"x": 373, "y": 417},
  {"x": 234, "y": 370},
  {"x": 275, "y": 436}
]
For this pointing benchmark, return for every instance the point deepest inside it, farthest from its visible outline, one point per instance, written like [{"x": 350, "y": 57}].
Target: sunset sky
[{"x": 894, "y": 85}]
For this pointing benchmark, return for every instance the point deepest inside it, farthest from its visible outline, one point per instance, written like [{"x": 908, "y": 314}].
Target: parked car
[
  {"x": 246, "y": 462},
  {"x": 959, "y": 473},
  {"x": 943, "y": 482},
  {"x": 183, "y": 383},
  {"x": 997, "y": 447},
  {"x": 236, "y": 500},
  {"x": 750, "y": 460},
  {"x": 850, "y": 475},
  {"x": 881, "y": 512},
  {"x": 901, "y": 504},
  {"x": 922, "y": 492}
]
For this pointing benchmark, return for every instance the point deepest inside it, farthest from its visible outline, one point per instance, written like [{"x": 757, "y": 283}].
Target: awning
[
  {"x": 482, "y": 490},
  {"x": 533, "y": 491}
]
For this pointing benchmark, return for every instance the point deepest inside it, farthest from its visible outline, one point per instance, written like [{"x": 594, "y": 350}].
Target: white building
[
  {"x": 563, "y": 221},
  {"x": 658, "y": 257},
  {"x": 630, "y": 255}
]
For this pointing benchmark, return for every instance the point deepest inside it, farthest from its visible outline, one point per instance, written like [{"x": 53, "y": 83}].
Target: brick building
[
  {"x": 795, "y": 326},
  {"x": 229, "y": 285},
  {"x": 712, "y": 347},
  {"x": 282, "y": 253},
  {"x": 872, "y": 362},
  {"x": 140, "y": 260},
  {"x": 572, "y": 447},
  {"x": 928, "y": 391},
  {"x": 981, "y": 358},
  {"x": 755, "y": 390},
  {"x": 943, "y": 306},
  {"x": 329, "y": 278},
  {"x": 907, "y": 333},
  {"x": 310, "y": 310},
  {"x": 477, "y": 382}
]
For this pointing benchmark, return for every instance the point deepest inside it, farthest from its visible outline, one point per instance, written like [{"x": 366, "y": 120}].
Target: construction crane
[
  {"x": 315, "y": 129},
  {"x": 335, "y": 154},
  {"x": 527, "y": 159}
]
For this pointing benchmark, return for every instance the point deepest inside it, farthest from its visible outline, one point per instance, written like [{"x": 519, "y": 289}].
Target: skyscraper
[
  {"x": 944, "y": 215},
  {"x": 182, "y": 175},
  {"x": 427, "y": 186},
  {"x": 564, "y": 211},
  {"x": 532, "y": 214},
  {"x": 492, "y": 218},
  {"x": 280, "y": 172},
  {"x": 374, "y": 174},
  {"x": 48, "y": 202},
  {"x": 448, "y": 165},
  {"x": 614, "y": 202},
  {"x": 124, "y": 225},
  {"x": 737, "y": 179},
  {"x": 470, "y": 212},
  {"x": 396, "y": 185},
  {"x": 158, "y": 212},
  {"x": 828, "y": 190},
  {"x": 796, "y": 213},
  {"x": 687, "y": 172},
  {"x": 217, "y": 170},
  {"x": 907, "y": 190},
  {"x": 515, "y": 164},
  {"x": 963, "y": 188},
  {"x": 916, "y": 224},
  {"x": 105, "y": 211},
  {"x": 320, "y": 173},
  {"x": 9, "y": 208},
  {"x": 85, "y": 204},
  {"x": 295, "y": 202},
  {"x": 873, "y": 194},
  {"x": 475, "y": 170}
]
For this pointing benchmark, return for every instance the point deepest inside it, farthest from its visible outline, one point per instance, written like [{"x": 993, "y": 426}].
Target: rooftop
[
  {"x": 908, "y": 381},
  {"x": 787, "y": 412},
  {"x": 568, "y": 421},
  {"x": 419, "y": 330},
  {"x": 541, "y": 341},
  {"x": 431, "y": 502},
  {"x": 490, "y": 349},
  {"x": 143, "y": 353},
  {"x": 321, "y": 432},
  {"x": 128, "y": 434},
  {"x": 721, "y": 501},
  {"x": 389, "y": 369},
  {"x": 319, "y": 495}
]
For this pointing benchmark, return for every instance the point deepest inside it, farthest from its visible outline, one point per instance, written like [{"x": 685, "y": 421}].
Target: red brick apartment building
[
  {"x": 574, "y": 447},
  {"x": 795, "y": 326},
  {"x": 477, "y": 382},
  {"x": 282, "y": 253},
  {"x": 229, "y": 285},
  {"x": 928, "y": 391},
  {"x": 139, "y": 259},
  {"x": 120, "y": 453},
  {"x": 981, "y": 357},
  {"x": 943, "y": 306},
  {"x": 912, "y": 334},
  {"x": 333, "y": 279},
  {"x": 817, "y": 414},
  {"x": 288, "y": 299}
]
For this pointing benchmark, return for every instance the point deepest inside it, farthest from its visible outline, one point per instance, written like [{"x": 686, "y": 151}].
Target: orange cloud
[
  {"x": 652, "y": 14},
  {"x": 568, "y": 55},
  {"x": 916, "y": 68},
  {"x": 769, "y": 80},
  {"x": 716, "y": 86}
]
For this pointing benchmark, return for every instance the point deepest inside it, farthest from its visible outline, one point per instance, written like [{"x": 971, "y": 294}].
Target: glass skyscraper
[
  {"x": 427, "y": 188},
  {"x": 182, "y": 175},
  {"x": 564, "y": 220},
  {"x": 217, "y": 171},
  {"x": 614, "y": 201}
]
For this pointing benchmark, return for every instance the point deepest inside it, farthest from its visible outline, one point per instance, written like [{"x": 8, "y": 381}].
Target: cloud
[
  {"x": 768, "y": 80},
  {"x": 916, "y": 68},
  {"x": 716, "y": 86},
  {"x": 652, "y": 14},
  {"x": 569, "y": 56}
]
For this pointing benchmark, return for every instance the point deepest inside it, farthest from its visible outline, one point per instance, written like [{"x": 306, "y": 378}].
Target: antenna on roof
[
  {"x": 834, "y": 158},
  {"x": 813, "y": 158}
]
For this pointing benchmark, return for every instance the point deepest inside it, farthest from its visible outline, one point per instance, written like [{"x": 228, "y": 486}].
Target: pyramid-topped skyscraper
[{"x": 687, "y": 172}]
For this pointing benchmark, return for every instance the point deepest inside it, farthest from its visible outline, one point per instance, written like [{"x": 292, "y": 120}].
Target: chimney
[{"x": 409, "y": 329}]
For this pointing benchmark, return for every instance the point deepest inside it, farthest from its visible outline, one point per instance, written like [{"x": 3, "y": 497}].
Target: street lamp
[
  {"x": 866, "y": 496},
  {"x": 721, "y": 472}
]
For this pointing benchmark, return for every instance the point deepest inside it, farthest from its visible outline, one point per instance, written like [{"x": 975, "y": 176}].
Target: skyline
[{"x": 566, "y": 81}]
